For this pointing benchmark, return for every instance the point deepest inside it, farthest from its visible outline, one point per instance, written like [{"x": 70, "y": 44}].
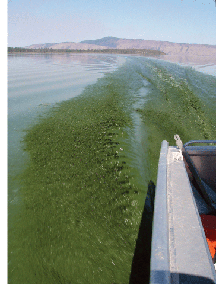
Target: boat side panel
[{"x": 160, "y": 269}]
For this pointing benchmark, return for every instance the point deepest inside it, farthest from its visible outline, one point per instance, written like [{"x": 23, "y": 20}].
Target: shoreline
[{"x": 142, "y": 52}]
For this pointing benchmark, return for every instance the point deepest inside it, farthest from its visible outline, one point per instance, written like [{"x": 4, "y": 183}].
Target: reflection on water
[
  {"x": 50, "y": 78},
  {"x": 103, "y": 62},
  {"x": 204, "y": 64},
  {"x": 68, "y": 59}
]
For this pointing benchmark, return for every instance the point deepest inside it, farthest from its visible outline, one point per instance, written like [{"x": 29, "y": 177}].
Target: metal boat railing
[
  {"x": 199, "y": 141},
  {"x": 160, "y": 267}
]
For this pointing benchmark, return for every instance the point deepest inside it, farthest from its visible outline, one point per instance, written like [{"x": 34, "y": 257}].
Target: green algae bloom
[{"x": 89, "y": 163}]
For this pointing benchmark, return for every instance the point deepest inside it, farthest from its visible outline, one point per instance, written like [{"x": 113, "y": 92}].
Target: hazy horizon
[
  {"x": 45, "y": 21},
  {"x": 118, "y": 38}
]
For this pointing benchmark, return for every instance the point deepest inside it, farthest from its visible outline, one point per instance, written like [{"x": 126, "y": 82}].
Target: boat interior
[{"x": 200, "y": 163}]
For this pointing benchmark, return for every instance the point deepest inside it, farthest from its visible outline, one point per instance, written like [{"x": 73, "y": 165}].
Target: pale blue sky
[{"x": 40, "y": 21}]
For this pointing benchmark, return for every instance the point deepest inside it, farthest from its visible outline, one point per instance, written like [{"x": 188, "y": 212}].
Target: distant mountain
[
  {"x": 67, "y": 45},
  {"x": 169, "y": 48},
  {"x": 109, "y": 41},
  {"x": 166, "y": 47},
  {"x": 42, "y": 45}
]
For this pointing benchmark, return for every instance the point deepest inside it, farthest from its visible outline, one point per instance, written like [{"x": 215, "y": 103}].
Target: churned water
[{"x": 79, "y": 167}]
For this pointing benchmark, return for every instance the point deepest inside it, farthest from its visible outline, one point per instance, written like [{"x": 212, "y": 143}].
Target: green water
[
  {"x": 89, "y": 163},
  {"x": 182, "y": 101}
]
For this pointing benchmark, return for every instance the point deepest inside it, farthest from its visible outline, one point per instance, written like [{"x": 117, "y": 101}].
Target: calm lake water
[
  {"x": 36, "y": 83},
  {"x": 77, "y": 184}
]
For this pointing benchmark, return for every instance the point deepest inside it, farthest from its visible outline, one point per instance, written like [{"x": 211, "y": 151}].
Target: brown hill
[
  {"x": 67, "y": 45},
  {"x": 168, "y": 48}
]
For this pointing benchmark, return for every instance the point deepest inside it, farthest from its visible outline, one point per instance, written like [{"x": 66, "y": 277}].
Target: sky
[{"x": 56, "y": 21}]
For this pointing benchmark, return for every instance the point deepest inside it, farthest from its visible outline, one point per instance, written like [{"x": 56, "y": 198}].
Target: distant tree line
[
  {"x": 25, "y": 50},
  {"x": 105, "y": 51}
]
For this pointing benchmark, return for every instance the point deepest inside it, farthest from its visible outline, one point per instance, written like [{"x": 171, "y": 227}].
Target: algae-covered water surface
[{"x": 86, "y": 167}]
